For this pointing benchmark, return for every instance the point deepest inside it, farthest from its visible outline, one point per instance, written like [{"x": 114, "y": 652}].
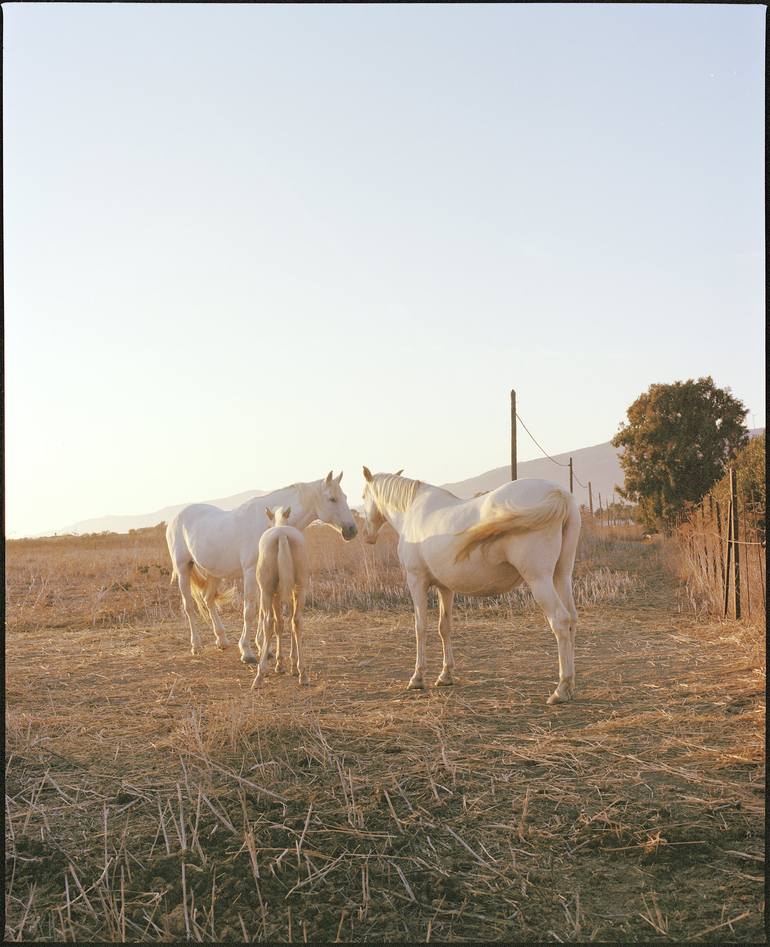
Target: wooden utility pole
[
  {"x": 590, "y": 499},
  {"x": 514, "y": 473},
  {"x": 736, "y": 545},
  {"x": 570, "y": 476},
  {"x": 728, "y": 555}
]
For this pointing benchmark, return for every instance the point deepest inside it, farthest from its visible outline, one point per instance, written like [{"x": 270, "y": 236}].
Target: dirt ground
[{"x": 151, "y": 795}]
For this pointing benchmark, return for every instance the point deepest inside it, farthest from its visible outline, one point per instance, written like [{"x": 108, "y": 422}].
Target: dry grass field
[{"x": 152, "y": 796}]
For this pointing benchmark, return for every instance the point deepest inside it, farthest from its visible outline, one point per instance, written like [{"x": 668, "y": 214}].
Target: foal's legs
[
  {"x": 297, "y": 627},
  {"x": 545, "y": 595},
  {"x": 265, "y": 629},
  {"x": 278, "y": 617},
  {"x": 185, "y": 587},
  {"x": 445, "y": 602},
  {"x": 249, "y": 616},
  {"x": 418, "y": 589},
  {"x": 210, "y": 597}
]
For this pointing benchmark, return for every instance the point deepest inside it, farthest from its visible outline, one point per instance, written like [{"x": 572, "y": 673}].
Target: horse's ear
[
  {"x": 287, "y": 513},
  {"x": 337, "y": 479},
  {"x": 329, "y": 477},
  {"x": 269, "y": 513},
  {"x": 368, "y": 475},
  {"x": 399, "y": 472}
]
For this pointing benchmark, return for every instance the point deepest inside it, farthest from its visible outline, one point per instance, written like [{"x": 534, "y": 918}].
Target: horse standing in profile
[
  {"x": 527, "y": 530},
  {"x": 282, "y": 577},
  {"x": 208, "y": 545}
]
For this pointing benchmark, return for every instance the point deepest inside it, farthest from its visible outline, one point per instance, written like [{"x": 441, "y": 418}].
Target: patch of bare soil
[{"x": 151, "y": 795}]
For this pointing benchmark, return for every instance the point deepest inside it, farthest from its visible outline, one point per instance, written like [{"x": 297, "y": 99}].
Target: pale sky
[{"x": 245, "y": 244}]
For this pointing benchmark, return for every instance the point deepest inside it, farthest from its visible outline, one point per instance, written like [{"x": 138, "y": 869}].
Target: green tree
[{"x": 676, "y": 445}]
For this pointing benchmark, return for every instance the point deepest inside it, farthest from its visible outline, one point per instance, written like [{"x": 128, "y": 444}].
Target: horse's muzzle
[{"x": 348, "y": 532}]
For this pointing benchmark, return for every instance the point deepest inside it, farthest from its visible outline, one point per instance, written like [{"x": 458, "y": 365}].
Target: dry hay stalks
[
  {"x": 414, "y": 820},
  {"x": 147, "y": 798}
]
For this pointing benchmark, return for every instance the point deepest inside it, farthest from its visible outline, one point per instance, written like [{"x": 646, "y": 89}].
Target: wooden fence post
[
  {"x": 728, "y": 556},
  {"x": 590, "y": 499},
  {"x": 747, "y": 563},
  {"x": 514, "y": 471},
  {"x": 720, "y": 554},
  {"x": 736, "y": 538},
  {"x": 570, "y": 475},
  {"x": 707, "y": 562}
]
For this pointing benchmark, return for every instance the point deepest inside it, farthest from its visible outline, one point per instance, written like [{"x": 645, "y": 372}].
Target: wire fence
[{"x": 719, "y": 581}]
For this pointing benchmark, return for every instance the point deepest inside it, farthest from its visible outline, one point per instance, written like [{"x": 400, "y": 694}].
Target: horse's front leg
[
  {"x": 249, "y": 616},
  {"x": 418, "y": 589},
  {"x": 446, "y": 600}
]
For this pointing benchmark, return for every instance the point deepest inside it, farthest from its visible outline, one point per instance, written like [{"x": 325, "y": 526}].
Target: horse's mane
[{"x": 395, "y": 491}]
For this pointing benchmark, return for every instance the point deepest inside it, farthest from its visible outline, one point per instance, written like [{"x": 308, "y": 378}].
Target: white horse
[
  {"x": 282, "y": 576},
  {"x": 208, "y": 545},
  {"x": 527, "y": 530}
]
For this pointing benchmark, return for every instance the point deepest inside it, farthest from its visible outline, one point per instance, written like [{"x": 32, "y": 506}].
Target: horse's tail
[
  {"x": 285, "y": 569},
  {"x": 198, "y": 583},
  {"x": 511, "y": 521}
]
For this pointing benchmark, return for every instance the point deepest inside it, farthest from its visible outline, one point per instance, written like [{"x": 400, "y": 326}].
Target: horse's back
[
  {"x": 215, "y": 539},
  {"x": 526, "y": 492}
]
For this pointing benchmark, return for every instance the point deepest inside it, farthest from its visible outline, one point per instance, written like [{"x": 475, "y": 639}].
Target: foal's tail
[
  {"x": 511, "y": 521},
  {"x": 286, "y": 576}
]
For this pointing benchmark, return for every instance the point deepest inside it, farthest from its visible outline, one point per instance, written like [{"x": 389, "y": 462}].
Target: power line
[
  {"x": 557, "y": 462},
  {"x": 553, "y": 461}
]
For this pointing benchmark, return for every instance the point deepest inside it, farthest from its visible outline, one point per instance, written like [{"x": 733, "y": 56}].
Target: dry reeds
[
  {"x": 700, "y": 552},
  {"x": 112, "y": 580}
]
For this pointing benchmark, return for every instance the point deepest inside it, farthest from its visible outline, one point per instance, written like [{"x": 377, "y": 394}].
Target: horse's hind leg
[
  {"x": 446, "y": 600},
  {"x": 545, "y": 595},
  {"x": 563, "y": 584},
  {"x": 185, "y": 587},
  {"x": 249, "y": 617},
  {"x": 210, "y": 597}
]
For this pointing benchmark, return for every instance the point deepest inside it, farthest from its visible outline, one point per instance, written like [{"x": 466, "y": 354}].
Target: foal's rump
[{"x": 282, "y": 564}]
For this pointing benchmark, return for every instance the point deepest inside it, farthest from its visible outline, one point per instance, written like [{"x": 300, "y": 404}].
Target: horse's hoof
[
  {"x": 416, "y": 684},
  {"x": 304, "y": 680},
  {"x": 557, "y": 699},
  {"x": 248, "y": 659},
  {"x": 256, "y": 683},
  {"x": 442, "y": 681},
  {"x": 279, "y": 669}
]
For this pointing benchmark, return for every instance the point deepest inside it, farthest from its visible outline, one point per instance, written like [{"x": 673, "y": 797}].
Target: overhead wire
[{"x": 545, "y": 452}]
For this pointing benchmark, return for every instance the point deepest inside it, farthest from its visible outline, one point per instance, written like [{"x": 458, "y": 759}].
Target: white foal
[
  {"x": 527, "y": 530},
  {"x": 208, "y": 545},
  {"x": 282, "y": 577}
]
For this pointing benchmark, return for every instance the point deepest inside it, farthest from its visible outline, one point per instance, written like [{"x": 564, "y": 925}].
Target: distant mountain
[
  {"x": 599, "y": 464},
  {"x": 122, "y": 524}
]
